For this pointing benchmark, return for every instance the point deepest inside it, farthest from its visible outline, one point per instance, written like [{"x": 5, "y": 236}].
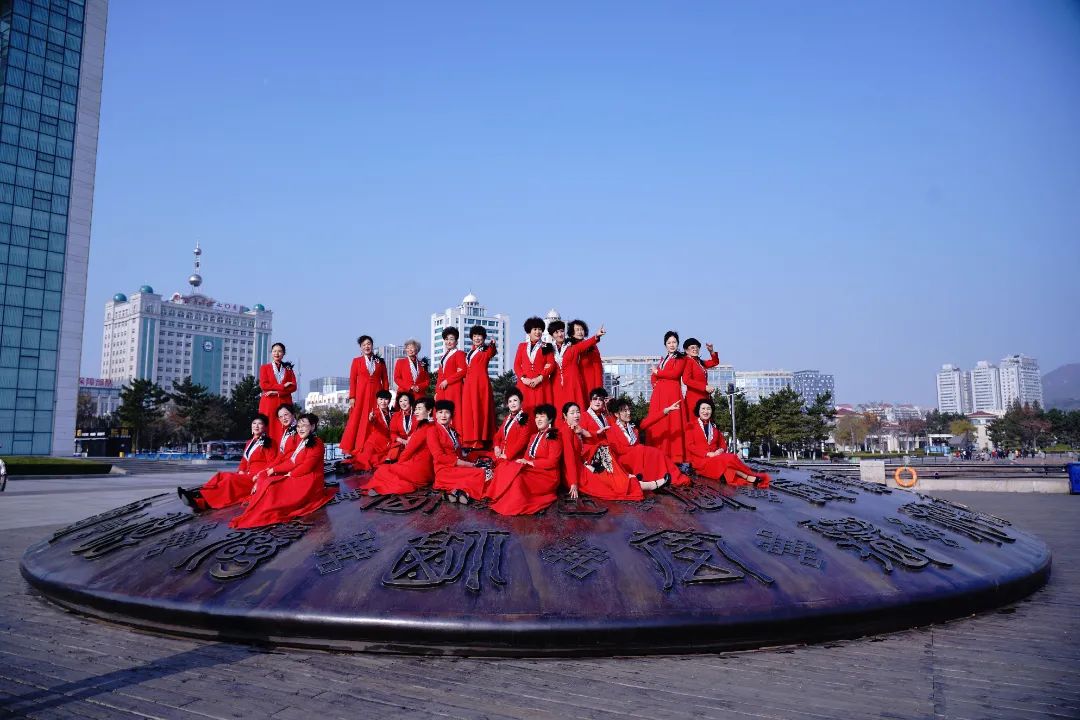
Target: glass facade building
[{"x": 51, "y": 61}]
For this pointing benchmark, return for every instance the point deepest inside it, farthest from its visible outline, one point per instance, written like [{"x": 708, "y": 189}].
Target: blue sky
[{"x": 867, "y": 188}]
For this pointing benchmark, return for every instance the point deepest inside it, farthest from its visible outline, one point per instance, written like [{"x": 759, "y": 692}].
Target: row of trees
[{"x": 1030, "y": 428}]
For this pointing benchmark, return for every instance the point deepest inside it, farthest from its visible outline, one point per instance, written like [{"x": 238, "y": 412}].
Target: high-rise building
[
  {"x": 470, "y": 312},
  {"x": 985, "y": 388},
  {"x": 628, "y": 375},
  {"x": 104, "y": 395},
  {"x": 216, "y": 343},
  {"x": 811, "y": 383},
  {"x": 758, "y": 384},
  {"x": 51, "y": 61},
  {"x": 328, "y": 384},
  {"x": 390, "y": 355},
  {"x": 1020, "y": 381},
  {"x": 953, "y": 390}
]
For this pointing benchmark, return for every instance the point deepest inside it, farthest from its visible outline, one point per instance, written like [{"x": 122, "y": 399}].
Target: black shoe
[
  {"x": 667, "y": 478},
  {"x": 639, "y": 476},
  {"x": 191, "y": 498}
]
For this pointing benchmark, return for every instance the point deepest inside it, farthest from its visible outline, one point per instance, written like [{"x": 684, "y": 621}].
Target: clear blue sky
[{"x": 866, "y": 188}]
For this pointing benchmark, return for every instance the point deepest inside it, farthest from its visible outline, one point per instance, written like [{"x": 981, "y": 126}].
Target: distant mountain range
[{"x": 1061, "y": 387}]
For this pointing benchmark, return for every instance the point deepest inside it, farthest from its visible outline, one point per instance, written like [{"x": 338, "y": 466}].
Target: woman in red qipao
[
  {"x": 377, "y": 443},
  {"x": 567, "y": 385},
  {"x": 410, "y": 373},
  {"x": 513, "y": 433},
  {"x": 529, "y": 484},
  {"x": 293, "y": 486},
  {"x": 413, "y": 468},
  {"x": 401, "y": 425},
  {"x": 709, "y": 455},
  {"x": 477, "y": 402},
  {"x": 367, "y": 376},
  {"x": 668, "y": 433},
  {"x": 460, "y": 479},
  {"x": 534, "y": 366},
  {"x": 590, "y": 364},
  {"x": 450, "y": 382},
  {"x": 595, "y": 478},
  {"x": 277, "y": 382},
  {"x": 228, "y": 488},
  {"x": 643, "y": 460},
  {"x": 696, "y": 377}
]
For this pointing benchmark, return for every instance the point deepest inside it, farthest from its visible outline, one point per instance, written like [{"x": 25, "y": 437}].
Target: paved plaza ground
[{"x": 1021, "y": 661}]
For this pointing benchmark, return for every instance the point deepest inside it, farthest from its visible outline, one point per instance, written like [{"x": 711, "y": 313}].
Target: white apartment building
[
  {"x": 758, "y": 384},
  {"x": 337, "y": 399},
  {"x": 985, "y": 388},
  {"x": 470, "y": 312},
  {"x": 953, "y": 390},
  {"x": 629, "y": 375},
  {"x": 1020, "y": 381},
  {"x": 988, "y": 388}
]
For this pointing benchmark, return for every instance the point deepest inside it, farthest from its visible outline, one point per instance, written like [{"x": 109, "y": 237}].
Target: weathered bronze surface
[{"x": 700, "y": 568}]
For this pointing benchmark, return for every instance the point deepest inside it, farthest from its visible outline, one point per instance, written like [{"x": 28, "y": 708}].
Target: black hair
[
  {"x": 566, "y": 407},
  {"x": 478, "y": 330},
  {"x": 546, "y": 409},
  {"x": 360, "y": 340},
  {"x": 533, "y": 323},
  {"x": 286, "y": 406},
  {"x": 260, "y": 416},
  {"x": 703, "y": 401},
  {"x": 671, "y": 334},
  {"x": 283, "y": 351},
  {"x": 616, "y": 406},
  {"x": 555, "y": 326},
  {"x": 514, "y": 392},
  {"x": 450, "y": 331},
  {"x": 688, "y": 342},
  {"x": 400, "y": 395},
  {"x": 427, "y": 401},
  {"x": 598, "y": 392},
  {"x": 383, "y": 394},
  {"x": 444, "y": 405},
  {"x": 582, "y": 323},
  {"x": 314, "y": 420}
]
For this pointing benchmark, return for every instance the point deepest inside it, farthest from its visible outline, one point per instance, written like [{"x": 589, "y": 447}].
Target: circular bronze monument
[{"x": 698, "y": 568}]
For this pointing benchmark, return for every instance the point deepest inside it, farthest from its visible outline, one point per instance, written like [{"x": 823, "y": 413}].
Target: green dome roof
[
  {"x": 259, "y": 307},
  {"x": 146, "y": 289},
  {"x": 119, "y": 297}
]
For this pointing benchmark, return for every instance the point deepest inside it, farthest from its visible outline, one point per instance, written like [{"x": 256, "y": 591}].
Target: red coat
[
  {"x": 376, "y": 443},
  {"x": 269, "y": 404},
  {"x": 567, "y": 384},
  {"x": 592, "y": 372},
  {"x": 295, "y": 489},
  {"x": 512, "y": 435},
  {"x": 599, "y": 428},
  {"x": 650, "y": 462},
  {"x": 363, "y": 385},
  {"x": 227, "y": 488},
  {"x": 541, "y": 364},
  {"x": 616, "y": 484},
  {"x": 695, "y": 377},
  {"x": 477, "y": 411},
  {"x": 722, "y": 466},
  {"x": 519, "y": 489},
  {"x": 452, "y": 371},
  {"x": 403, "y": 378},
  {"x": 401, "y": 428},
  {"x": 413, "y": 469},
  {"x": 669, "y": 432},
  {"x": 444, "y": 455}
]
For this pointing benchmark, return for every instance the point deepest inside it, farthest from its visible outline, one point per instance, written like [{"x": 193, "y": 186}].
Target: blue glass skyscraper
[{"x": 51, "y": 62}]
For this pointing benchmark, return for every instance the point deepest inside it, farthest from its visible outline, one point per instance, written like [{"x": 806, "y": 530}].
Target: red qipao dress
[
  {"x": 377, "y": 443},
  {"x": 295, "y": 489},
  {"x": 412, "y": 377},
  {"x": 272, "y": 378},
  {"x": 512, "y": 436},
  {"x": 704, "y": 438},
  {"x": 367, "y": 376},
  {"x": 413, "y": 469},
  {"x": 401, "y": 429},
  {"x": 595, "y": 476},
  {"x": 532, "y": 360},
  {"x": 695, "y": 377},
  {"x": 567, "y": 385},
  {"x": 445, "y": 448},
  {"x": 452, "y": 371},
  {"x": 668, "y": 433},
  {"x": 592, "y": 371},
  {"x": 478, "y": 403},
  {"x": 520, "y": 489},
  {"x": 227, "y": 488},
  {"x": 650, "y": 462}
]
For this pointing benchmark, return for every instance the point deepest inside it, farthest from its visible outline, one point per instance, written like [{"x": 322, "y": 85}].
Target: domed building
[{"x": 470, "y": 312}]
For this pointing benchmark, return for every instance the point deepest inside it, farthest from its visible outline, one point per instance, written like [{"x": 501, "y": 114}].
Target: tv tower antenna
[{"x": 195, "y": 279}]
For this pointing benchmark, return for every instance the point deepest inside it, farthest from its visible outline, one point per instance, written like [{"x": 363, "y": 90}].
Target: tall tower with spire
[{"x": 195, "y": 279}]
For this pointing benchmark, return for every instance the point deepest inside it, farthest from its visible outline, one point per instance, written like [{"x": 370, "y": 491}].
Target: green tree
[
  {"x": 499, "y": 387},
  {"x": 743, "y": 410},
  {"x": 820, "y": 416},
  {"x": 937, "y": 423},
  {"x": 192, "y": 418},
  {"x": 963, "y": 429},
  {"x": 142, "y": 408},
  {"x": 851, "y": 430},
  {"x": 331, "y": 424},
  {"x": 781, "y": 421}
]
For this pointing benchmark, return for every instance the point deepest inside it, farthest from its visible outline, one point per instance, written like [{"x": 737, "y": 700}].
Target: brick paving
[{"x": 1022, "y": 661}]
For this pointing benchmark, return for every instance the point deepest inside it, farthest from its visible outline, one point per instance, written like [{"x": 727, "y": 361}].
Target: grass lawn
[{"x": 43, "y": 465}]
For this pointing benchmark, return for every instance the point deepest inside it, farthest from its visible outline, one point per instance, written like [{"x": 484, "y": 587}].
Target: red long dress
[
  {"x": 452, "y": 371},
  {"x": 295, "y": 489},
  {"x": 668, "y": 434},
  {"x": 413, "y": 469},
  {"x": 567, "y": 382},
  {"x": 704, "y": 438},
  {"x": 377, "y": 443},
  {"x": 401, "y": 428},
  {"x": 530, "y": 361},
  {"x": 227, "y": 488},
  {"x": 411, "y": 377},
  {"x": 650, "y": 462},
  {"x": 512, "y": 436},
  {"x": 614, "y": 484},
  {"x": 592, "y": 372},
  {"x": 478, "y": 403},
  {"x": 696, "y": 378},
  {"x": 273, "y": 379},
  {"x": 366, "y": 378},
  {"x": 519, "y": 489},
  {"x": 445, "y": 447}
]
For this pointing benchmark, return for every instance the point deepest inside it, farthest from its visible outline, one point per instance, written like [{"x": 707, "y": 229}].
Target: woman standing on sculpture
[
  {"x": 277, "y": 382},
  {"x": 410, "y": 374},
  {"x": 534, "y": 366},
  {"x": 367, "y": 376},
  {"x": 668, "y": 432},
  {"x": 590, "y": 364},
  {"x": 696, "y": 377},
  {"x": 450, "y": 382},
  {"x": 477, "y": 401},
  {"x": 567, "y": 384}
]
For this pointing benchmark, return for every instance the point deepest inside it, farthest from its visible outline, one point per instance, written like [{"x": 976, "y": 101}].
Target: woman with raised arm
[
  {"x": 696, "y": 376},
  {"x": 277, "y": 382},
  {"x": 410, "y": 372},
  {"x": 597, "y": 476},
  {"x": 413, "y": 469},
  {"x": 513, "y": 433},
  {"x": 567, "y": 384},
  {"x": 668, "y": 431},
  {"x": 460, "y": 479},
  {"x": 477, "y": 401},
  {"x": 708, "y": 452},
  {"x": 590, "y": 364},
  {"x": 450, "y": 383},
  {"x": 650, "y": 463},
  {"x": 292, "y": 487},
  {"x": 367, "y": 376},
  {"x": 530, "y": 483},
  {"x": 228, "y": 488},
  {"x": 401, "y": 425},
  {"x": 534, "y": 366}
]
